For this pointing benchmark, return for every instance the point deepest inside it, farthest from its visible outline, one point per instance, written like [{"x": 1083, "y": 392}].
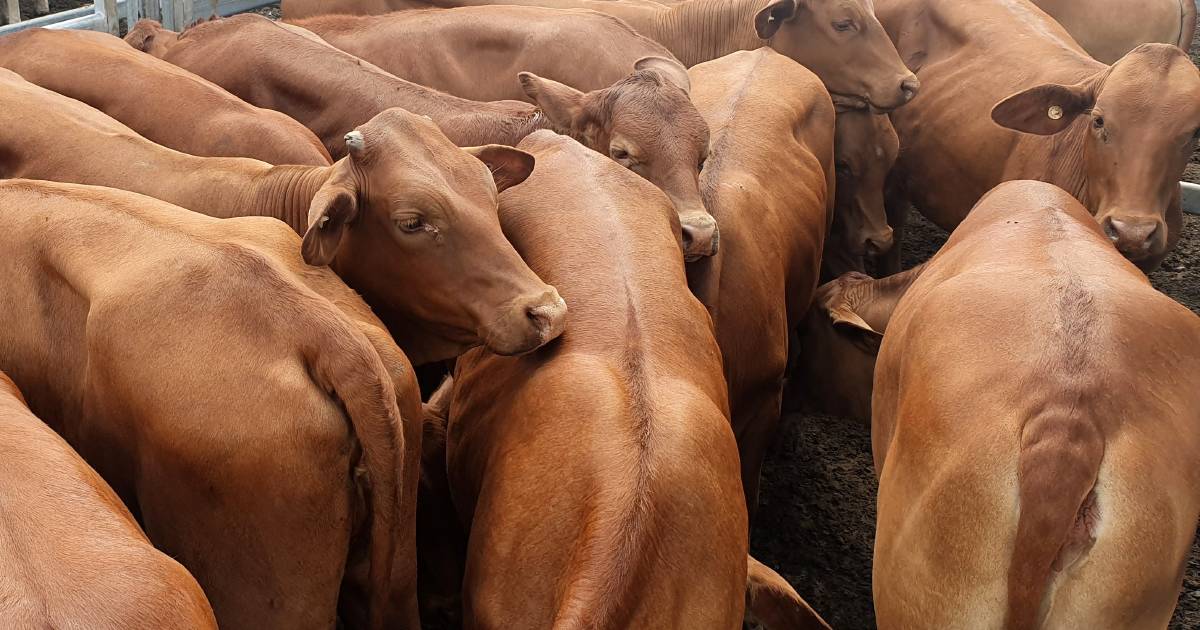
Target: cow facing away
[
  {"x": 1034, "y": 439},
  {"x": 626, "y": 414},
  {"x": 406, "y": 218},
  {"x": 160, "y": 101},
  {"x": 1107, "y": 29},
  {"x": 199, "y": 365},
  {"x": 1012, "y": 96},
  {"x": 72, "y": 555},
  {"x": 839, "y": 40},
  {"x": 644, "y": 121},
  {"x": 770, "y": 186}
]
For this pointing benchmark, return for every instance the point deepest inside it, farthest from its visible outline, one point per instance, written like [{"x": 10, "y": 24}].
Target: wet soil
[{"x": 816, "y": 521}]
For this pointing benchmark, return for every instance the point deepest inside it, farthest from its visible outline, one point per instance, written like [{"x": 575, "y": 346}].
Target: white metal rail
[{"x": 105, "y": 15}]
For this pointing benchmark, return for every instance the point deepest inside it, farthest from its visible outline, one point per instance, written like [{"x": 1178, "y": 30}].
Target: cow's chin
[{"x": 848, "y": 102}]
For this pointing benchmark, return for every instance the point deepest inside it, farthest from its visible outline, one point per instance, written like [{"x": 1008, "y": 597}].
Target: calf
[
  {"x": 406, "y": 218},
  {"x": 160, "y": 101},
  {"x": 200, "y": 366},
  {"x": 839, "y": 40},
  {"x": 865, "y": 149},
  {"x": 770, "y": 186},
  {"x": 72, "y": 555},
  {"x": 645, "y": 121},
  {"x": 1036, "y": 447},
  {"x": 618, "y": 432},
  {"x": 1012, "y": 96},
  {"x": 1107, "y": 29},
  {"x": 474, "y": 52}
]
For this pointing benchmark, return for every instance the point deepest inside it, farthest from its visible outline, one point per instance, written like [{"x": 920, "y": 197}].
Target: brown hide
[
  {"x": 1117, "y": 138},
  {"x": 618, "y": 431},
  {"x": 769, "y": 184},
  {"x": 644, "y": 120},
  {"x": 1033, "y": 430},
  {"x": 72, "y": 555},
  {"x": 405, "y": 219},
  {"x": 198, "y": 365},
  {"x": 158, "y": 100}
]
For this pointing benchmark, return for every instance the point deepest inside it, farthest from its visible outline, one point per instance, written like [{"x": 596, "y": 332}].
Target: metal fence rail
[{"x": 105, "y": 15}]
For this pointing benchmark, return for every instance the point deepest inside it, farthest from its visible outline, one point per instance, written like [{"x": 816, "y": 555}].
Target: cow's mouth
[{"x": 846, "y": 102}]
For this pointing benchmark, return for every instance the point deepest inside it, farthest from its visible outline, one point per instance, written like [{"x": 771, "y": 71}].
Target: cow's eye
[
  {"x": 619, "y": 154},
  {"x": 843, "y": 25},
  {"x": 843, "y": 169},
  {"x": 1098, "y": 122},
  {"x": 410, "y": 224},
  {"x": 700, "y": 166}
]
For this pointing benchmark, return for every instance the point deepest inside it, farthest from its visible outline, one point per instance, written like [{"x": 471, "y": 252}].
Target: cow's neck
[
  {"x": 703, "y": 30},
  {"x": 285, "y": 193},
  {"x": 1068, "y": 169}
]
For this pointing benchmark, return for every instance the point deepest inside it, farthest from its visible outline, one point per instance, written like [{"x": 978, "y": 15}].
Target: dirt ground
[{"x": 816, "y": 520}]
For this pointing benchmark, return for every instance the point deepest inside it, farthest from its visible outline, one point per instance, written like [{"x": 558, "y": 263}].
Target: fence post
[
  {"x": 150, "y": 10},
  {"x": 42, "y": 7},
  {"x": 12, "y": 11},
  {"x": 112, "y": 20}
]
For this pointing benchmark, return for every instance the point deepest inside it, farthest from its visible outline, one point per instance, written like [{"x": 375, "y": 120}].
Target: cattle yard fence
[{"x": 106, "y": 15}]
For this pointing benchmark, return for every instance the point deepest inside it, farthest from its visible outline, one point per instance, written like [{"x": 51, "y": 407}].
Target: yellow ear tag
[{"x": 1055, "y": 112}]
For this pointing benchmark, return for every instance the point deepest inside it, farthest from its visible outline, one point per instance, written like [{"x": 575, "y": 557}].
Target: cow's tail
[
  {"x": 1187, "y": 23},
  {"x": 1058, "y": 465},
  {"x": 351, "y": 369}
]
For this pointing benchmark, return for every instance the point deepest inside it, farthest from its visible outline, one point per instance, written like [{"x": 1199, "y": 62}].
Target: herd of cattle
[{"x": 609, "y": 220}]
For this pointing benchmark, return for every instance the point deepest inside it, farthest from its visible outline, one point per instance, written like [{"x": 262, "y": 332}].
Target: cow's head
[
  {"x": 149, "y": 36},
  {"x": 865, "y": 150},
  {"x": 646, "y": 123},
  {"x": 1134, "y": 125},
  {"x": 410, "y": 220},
  {"x": 842, "y": 42},
  {"x": 840, "y": 337}
]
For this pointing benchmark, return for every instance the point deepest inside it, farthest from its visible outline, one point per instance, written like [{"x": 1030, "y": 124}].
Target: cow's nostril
[
  {"x": 1111, "y": 231},
  {"x": 909, "y": 87},
  {"x": 688, "y": 237}
]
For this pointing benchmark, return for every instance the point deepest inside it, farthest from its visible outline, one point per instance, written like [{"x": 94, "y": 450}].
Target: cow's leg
[
  {"x": 258, "y": 508},
  {"x": 755, "y": 407}
]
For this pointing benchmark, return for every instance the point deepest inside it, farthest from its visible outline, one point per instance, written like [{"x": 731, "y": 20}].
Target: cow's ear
[
  {"x": 332, "y": 211},
  {"x": 851, "y": 325},
  {"x": 509, "y": 166},
  {"x": 1046, "y": 109},
  {"x": 669, "y": 69},
  {"x": 772, "y": 16},
  {"x": 562, "y": 104}
]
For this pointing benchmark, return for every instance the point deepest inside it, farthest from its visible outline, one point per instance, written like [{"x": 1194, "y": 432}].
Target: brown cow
[
  {"x": 770, "y": 186},
  {"x": 865, "y": 149},
  {"x": 839, "y": 40},
  {"x": 200, "y": 366},
  {"x": 1116, "y": 137},
  {"x": 1108, "y": 29},
  {"x": 645, "y": 121},
  {"x": 73, "y": 556},
  {"x": 1034, "y": 430},
  {"x": 406, "y": 218},
  {"x": 839, "y": 339},
  {"x": 160, "y": 101},
  {"x": 478, "y": 50},
  {"x": 618, "y": 432}
]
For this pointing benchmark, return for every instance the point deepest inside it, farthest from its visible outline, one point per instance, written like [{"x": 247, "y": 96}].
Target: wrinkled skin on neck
[
  {"x": 646, "y": 123},
  {"x": 1134, "y": 126},
  {"x": 865, "y": 150},
  {"x": 411, "y": 221},
  {"x": 842, "y": 42}
]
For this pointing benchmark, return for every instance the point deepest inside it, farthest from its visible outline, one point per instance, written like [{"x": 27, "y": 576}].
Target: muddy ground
[{"x": 816, "y": 521}]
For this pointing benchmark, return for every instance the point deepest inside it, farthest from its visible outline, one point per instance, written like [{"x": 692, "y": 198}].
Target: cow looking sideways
[
  {"x": 407, "y": 219},
  {"x": 1012, "y": 96}
]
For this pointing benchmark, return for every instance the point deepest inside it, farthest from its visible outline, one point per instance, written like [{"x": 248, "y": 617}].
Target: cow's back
[
  {"x": 1034, "y": 370},
  {"x": 159, "y": 100},
  {"x": 477, "y": 52},
  {"x": 71, "y": 555},
  {"x": 617, "y": 432}
]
